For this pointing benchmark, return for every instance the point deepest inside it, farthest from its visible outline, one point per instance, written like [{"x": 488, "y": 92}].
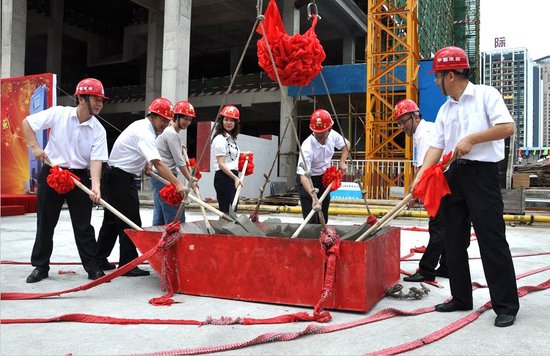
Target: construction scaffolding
[{"x": 392, "y": 48}]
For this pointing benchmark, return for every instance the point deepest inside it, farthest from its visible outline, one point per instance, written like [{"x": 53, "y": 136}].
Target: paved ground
[{"x": 128, "y": 298}]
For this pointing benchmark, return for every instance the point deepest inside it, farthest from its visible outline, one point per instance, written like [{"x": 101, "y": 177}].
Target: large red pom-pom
[
  {"x": 170, "y": 195},
  {"x": 250, "y": 164},
  {"x": 298, "y": 58},
  {"x": 332, "y": 174},
  {"x": 61, "y": 180}
]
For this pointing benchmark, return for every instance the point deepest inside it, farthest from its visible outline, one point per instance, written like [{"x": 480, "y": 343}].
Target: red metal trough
[{"x": 277, "y": 269}]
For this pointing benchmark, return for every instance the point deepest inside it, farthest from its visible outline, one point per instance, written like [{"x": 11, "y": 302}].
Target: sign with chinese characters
[{"x": 500, "y": 42}]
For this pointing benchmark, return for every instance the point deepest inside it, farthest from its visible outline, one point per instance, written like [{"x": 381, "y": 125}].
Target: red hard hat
[
  {"x": 231, "y": 112},
  {"x": 403, "y": 107},
  {"x": 321, "y": 121},
  {"x": 162, "y": 107},
  {"x": 450, "y": 58},
  {"x": 184, "y": 108},
  {"x": 90, "y": 86}
]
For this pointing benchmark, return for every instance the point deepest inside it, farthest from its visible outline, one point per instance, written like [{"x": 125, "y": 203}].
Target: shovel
[
  {"x": 248, "y": 229},
  {"x": 386, "y": 218},
  {"x": 313, "y": 211},
  {"x": 209, "y": 228},
  {"x": 241, "y": 178},
  {"x": 103, "y": 202}
]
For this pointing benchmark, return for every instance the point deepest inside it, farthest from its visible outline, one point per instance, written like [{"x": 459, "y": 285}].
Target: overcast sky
[{"x": 523, "y": 23}]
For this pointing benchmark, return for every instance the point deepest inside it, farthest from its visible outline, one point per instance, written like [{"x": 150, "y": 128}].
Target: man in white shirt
[
  {"x": 407, "y": 115},
  {"x": 77, "y": 142},
  {"x": 318, "y": 150},
  {"x": 133, "y": 149},
  {"x": 473, "y": 123}
]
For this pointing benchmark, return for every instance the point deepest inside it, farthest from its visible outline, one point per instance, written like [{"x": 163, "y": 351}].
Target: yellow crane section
[{"x": 392, "y": 54}]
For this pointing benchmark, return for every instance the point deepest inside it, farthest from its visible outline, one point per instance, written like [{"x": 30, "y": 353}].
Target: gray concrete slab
[{"x": 128, "y": 298}]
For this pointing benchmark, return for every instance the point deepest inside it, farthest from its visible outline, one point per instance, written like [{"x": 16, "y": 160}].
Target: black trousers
[
  {"x": 225, "y": 190},
  {"x": 435, "y": 251},
  {"x": 120, "y": 191},
  {"x": 476, "y": 197},
  {"x": 306, "y": 202},
  {"x": 49, "y": 204}
]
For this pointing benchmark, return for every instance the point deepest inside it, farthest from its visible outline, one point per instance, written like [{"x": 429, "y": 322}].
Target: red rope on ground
[
  {"x": 451, "y": 328},
  {"x": 104, "y": 279}
]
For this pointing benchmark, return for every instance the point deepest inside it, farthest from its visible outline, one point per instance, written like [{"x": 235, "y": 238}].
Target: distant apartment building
[
  {"x": 544, "y": 100},
  {"x": 510, "y": 71}
]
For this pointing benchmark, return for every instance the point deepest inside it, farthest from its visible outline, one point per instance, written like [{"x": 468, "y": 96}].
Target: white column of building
[
  {"x": 288, "y": 157},
  {"x": 55, "y": 38},
  {"x": 175, "y": 57},
  {"x": 14, "y": 29},
  {"x": 348, "y": 50},
  {"x": 155, "y": 27}
]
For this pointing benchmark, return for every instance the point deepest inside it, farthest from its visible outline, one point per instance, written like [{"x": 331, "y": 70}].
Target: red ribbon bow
[
  {"x": 61, "y": 180},
  {"x": 332, "y": 174}
]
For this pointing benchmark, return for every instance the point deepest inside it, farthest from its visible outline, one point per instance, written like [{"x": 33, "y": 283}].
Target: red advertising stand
[{"x": 278, "y": 270}]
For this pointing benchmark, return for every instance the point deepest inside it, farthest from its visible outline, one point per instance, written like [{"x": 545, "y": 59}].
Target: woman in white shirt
[{"x": 225, "y": 153}]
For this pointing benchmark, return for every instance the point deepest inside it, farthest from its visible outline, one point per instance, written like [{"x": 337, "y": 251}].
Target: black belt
[
  {"x": 123, "y": 171},
  {"x": 463, "y": 161},
  {"x": 75, "y": 170}
]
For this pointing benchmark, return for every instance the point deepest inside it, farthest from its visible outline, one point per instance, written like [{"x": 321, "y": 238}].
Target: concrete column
[
  {"x": 154, "y": 54},
  {"x": 288, "y": 157},
  {"x": 14, "y": 30},
  {"x": 55, "y": 39},
  {"x": 348, "y": 50},
  {"x": 175, "y": 57}
]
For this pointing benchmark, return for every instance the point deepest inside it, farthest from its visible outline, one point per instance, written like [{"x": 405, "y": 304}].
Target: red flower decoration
[
  {"x": 250, "y": 165},
  {"x": 332, "y": 174},
  {"x": 170, "y": 195},
  {"x": 298, "y": 58},
  {"x": 61, "y": 180},
  {"x": 195, "y": 168}
]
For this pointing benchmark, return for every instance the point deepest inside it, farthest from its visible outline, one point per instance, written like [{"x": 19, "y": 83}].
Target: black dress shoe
[
  {"x": 37, "y": 275},
  {"x": 136, "y": 272},
  {"x": 106, "y": 266},
  {"x": 417, "y": 277},
  {"x": 441, "y": 272},
  {"x": 450, "y": 307},
  {"x": 96, "y": 275},
  {"x": 504, "y": 320}
]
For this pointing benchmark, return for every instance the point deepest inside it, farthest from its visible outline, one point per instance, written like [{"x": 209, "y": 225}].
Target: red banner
[{"x": 15, "y": 107}]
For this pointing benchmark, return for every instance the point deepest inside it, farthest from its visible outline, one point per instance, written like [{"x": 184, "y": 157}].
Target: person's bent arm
[
  {"x": 497, "y": 132},
  {"x": 433, "y": 155},
  {"x": 167, "y": 174},
  {"x": 95, "y": 175},
  {"x": 345, "y": 153},
  {"x": 30, "y": 136}
]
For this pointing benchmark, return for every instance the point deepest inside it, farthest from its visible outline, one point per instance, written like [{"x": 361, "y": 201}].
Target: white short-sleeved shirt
[
  {"x": 318, "y": 157},
  {"x": 71, "y": 144},
  {"x": 225, "y": 146},
  {"x": 135, "y": 147},
  {"x": 421, "y": 141},
  {"x": 479, "y": 108}
]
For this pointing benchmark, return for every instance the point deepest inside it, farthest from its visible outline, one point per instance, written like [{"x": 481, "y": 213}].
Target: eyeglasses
[
  {"x": 402, "y": 123},
  {"x": 163, "y": 121}
]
